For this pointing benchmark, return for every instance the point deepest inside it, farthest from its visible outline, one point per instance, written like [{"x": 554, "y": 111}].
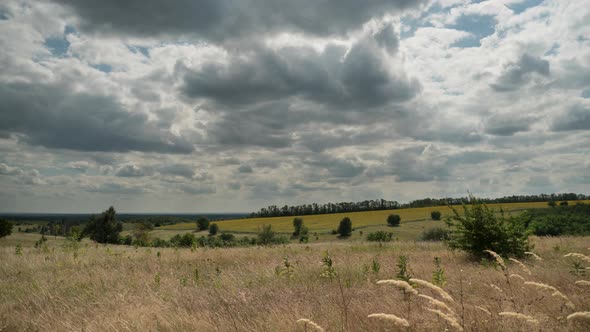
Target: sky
[{"x": 230, "y": 106}]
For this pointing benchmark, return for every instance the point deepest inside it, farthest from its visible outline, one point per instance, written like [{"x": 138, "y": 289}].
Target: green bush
[
  {"x": 202, "y": 223},
  {"x": 479, "y": 229},
  {"x": 227, "y": 237},
  {"x": 213, "y": 229},
  {"x": 380, "y": 236},
  {"x": 5, "y": 228},
  {"x": 297, "y": 226},
  {"x": 345, "y": 227},
  {"x": 435, "y": 234},
  {"x": 394, "y": 220},
  {"x": 104, "y": 228},
  {"x": 186, "y": 240},
  {"x": 435, "y": 215},
  {"x": 561, "y": 220}
]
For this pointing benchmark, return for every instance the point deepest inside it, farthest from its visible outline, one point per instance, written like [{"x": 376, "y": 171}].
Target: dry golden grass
[{"x": 117, "y": 288}]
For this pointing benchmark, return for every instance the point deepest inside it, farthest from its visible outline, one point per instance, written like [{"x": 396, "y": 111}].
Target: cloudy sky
[{"x": 223, "y": 105}]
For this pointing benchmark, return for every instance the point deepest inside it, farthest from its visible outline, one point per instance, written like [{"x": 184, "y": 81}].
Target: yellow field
[{"x": 326, "y": 222}]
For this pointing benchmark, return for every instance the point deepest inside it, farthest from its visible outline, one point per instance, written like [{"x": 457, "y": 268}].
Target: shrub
[
  {"x": 5, "y": 228},
  {"x": 564, "y": 203},
  {"x": 127, "y": 240},
  {"x": 297, "y": 225},
  {"x": 380, "y": 236},
  {"x": 213, "y": 229},
  {"x": 304, "y": 235},
  {"x": 267, "y": 236},
  {"x": 345, "y": 227},
  {"x": 186, "y": 240},
  {"x": 435, "y": 215},
  {"x": 551, "y": 203},
  {"x": 227, "y": 237},
  {"x": 479, "y": 229},
  {"x": 104, "y": 228},
  {"x": 435, "y": 234},
  {"x": 394, "y": 220},
  {"x": 202, "y": 223}
]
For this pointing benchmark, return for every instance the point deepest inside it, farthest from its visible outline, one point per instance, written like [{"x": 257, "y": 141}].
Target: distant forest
[{"x": 381, "y": 204}]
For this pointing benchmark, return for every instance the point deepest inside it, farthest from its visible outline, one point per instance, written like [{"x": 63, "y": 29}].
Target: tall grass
[{"x": 114, "y": 288}]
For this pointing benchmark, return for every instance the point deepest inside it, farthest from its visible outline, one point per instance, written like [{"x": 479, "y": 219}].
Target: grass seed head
[
  {"x": 498, "y": 259},
  {"x": 522, "y": 266},
  {"x": 452, "y": 321},
  {"x": 306, "y": 322},
  {"x": 535, "y": 256},
  {"x": 583, "y": 283},
  {"x": 435, "y": 288},
  {"x": 399, "y": 284},
  {"x": 580, "y": 315},
  {"x": 437, "y": 303},
  {"x": 392, "y": 318},
  {"x": 578, "y": 255},
  {"x": 517, "y": 315}
]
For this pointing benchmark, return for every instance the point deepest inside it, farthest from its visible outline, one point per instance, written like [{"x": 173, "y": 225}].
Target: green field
[{"x": 414, "y": 219}]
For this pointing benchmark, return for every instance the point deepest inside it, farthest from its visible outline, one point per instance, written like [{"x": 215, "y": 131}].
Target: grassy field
[
  {"x": 324, "y": 223},
  {"x": 119, "y": 288}
]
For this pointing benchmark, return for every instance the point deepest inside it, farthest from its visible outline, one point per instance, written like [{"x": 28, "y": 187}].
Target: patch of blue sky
[
  {"x": 411, "y": 24},
  {"x": 586, "y": 94},
  {"x": 105, "y": 68},
  {"x": 479, "y": 26},
  {"x": 520, "y": 7},
  {"x": 58, "y": 46},
  {"x": 139, "y": 49},
  {"x": 554, "y": 50},
  {"x": 3, "y": 16}
]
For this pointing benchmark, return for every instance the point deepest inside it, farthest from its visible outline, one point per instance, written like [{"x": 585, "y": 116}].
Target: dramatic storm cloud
[{"x": 233, "y": 105}]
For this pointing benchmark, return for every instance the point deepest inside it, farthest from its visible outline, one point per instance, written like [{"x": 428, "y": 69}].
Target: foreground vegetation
[{"x": 70, "y": 285}]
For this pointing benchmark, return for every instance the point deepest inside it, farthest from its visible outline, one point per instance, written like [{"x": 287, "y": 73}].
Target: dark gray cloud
[
  {"x": 575, "y": 118},
  {"x": 55, "y": 117},
  {"x": 359, "y": 80},
  {"x": 186, "y": 171},
  {"x": 388, "y": 39},
  {"x": 245, "y": 169},
  {"x": 507, "y": 124},
  {"x": 517, "y": 74},
  {"x": 337, "y": 167},
  {"x": 265, "y": 126},
  {"x": 220, "y": 20}
]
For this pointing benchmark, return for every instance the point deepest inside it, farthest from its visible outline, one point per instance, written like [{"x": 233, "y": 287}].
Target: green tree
[
  {"x": 5, "y": 228},
  {"x": 141, "y": 234},
  {"x": 435, "y": 215},
  {"x": 202, "y": 223},
  {"x": 213, "y": 229},
  {"x": 266, "y": 235},
  {"x": 297, "y": 225},
  {"x": 394, "y": 220},
  {"x": 345, "y": 227},
  {"x": 104, "y": 228},
  {"x": 479, "y": 228}
]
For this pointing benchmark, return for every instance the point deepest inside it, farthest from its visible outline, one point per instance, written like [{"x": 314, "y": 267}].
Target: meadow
[{"x": 64, "y": 286}]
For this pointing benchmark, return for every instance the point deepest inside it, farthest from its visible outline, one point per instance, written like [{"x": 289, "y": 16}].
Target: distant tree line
[{"x": 382, "y": 204}]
